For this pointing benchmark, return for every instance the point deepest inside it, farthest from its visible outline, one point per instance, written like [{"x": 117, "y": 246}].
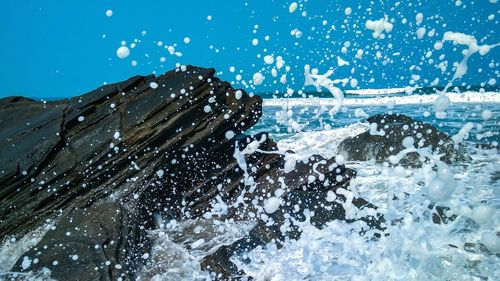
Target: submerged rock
[
  {"x": 392, "y": 133},
  {"x": 103, "y": 165}
]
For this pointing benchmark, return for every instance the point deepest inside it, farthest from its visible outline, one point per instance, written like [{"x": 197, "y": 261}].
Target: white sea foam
[
  {"x": 323, "y": 142},
  {"x": 313, "y": 78},
  {"x": 12, "y": 249},
  {"x": 380, "y": 91},
  {"x": 466, "y": 97},
  {"x": 415, "y": 248},
  {"x": 379, "y": 26}
]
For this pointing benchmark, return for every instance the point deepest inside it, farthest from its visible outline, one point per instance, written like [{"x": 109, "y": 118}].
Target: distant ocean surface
[{"x": 465, "y": 107}]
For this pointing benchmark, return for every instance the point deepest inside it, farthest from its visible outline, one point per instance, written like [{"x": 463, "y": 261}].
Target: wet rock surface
[
  {"x": 103, "y": 165},
  {"x": 386, "y": 139},
  {"x": 98, "y": 243}
]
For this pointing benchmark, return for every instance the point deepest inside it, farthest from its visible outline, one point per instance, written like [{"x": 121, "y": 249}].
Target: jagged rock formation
[
  {"x": 100, "y": 166},
  {"x": 387, "y": 139}
]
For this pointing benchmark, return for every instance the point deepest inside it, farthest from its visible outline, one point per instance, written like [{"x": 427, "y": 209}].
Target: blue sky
[{"x": 65, "y": 48}]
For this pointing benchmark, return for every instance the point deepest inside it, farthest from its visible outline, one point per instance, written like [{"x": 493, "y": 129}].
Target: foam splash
[
  {"x": 379, "y": 26},
  {"x": 12, "y": 249},
  {"x": 473, "y": 47},
  {"x": 415, "y": 248},
  {"x": 323, "y": 142},
  {"x": 312, "y": 78},
  {"x": 381, "y": 91},
  {"x": 179, "y": 247},
  {"x": 442, "y": 101}
]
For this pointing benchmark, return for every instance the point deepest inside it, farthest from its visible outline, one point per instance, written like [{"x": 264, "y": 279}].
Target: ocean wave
[
  {"x": 466, "y": 97},
  {"x": 387, "y": 91},
  {"x": 323, "y": 142}
]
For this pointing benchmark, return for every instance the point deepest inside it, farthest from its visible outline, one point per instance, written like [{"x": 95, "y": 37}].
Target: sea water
[{"x": 415, "y": 248}]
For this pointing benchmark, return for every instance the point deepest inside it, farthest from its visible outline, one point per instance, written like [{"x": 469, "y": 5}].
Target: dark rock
[
  {"x": 99, "y": 243},
  {"x": 162, "y": 151},
  {"x": 53, "y": 161},
  {"x": 439, "y": 214},
  {"x": 396, "y": 127}
]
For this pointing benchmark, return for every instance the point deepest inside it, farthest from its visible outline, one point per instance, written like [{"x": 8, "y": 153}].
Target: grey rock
[{"x": 396, "y": 128}]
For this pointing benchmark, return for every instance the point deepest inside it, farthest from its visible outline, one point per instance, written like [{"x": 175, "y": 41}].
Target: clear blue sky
[{"x": 55, "y": 48}]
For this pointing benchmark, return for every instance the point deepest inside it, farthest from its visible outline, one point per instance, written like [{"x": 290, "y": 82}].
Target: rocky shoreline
[{"x": 102, "y": 166}]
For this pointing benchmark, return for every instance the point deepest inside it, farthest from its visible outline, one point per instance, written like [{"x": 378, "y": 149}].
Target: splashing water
[
  {"x": 415, "y": 248},
  {"x": 442, "y": 220},
  {"x": 180, "y": 246}
]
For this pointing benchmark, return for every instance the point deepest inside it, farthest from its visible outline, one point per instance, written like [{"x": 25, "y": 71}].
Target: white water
[
  {"x": 380, "y": 91},
  {"x": 179, "y": 248},
  {"x": 320, "y": 142},
  {"x": 11, "y": 250},
  {"x": 466, "y": 97},
  {"x": 415, "y": 248}
]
